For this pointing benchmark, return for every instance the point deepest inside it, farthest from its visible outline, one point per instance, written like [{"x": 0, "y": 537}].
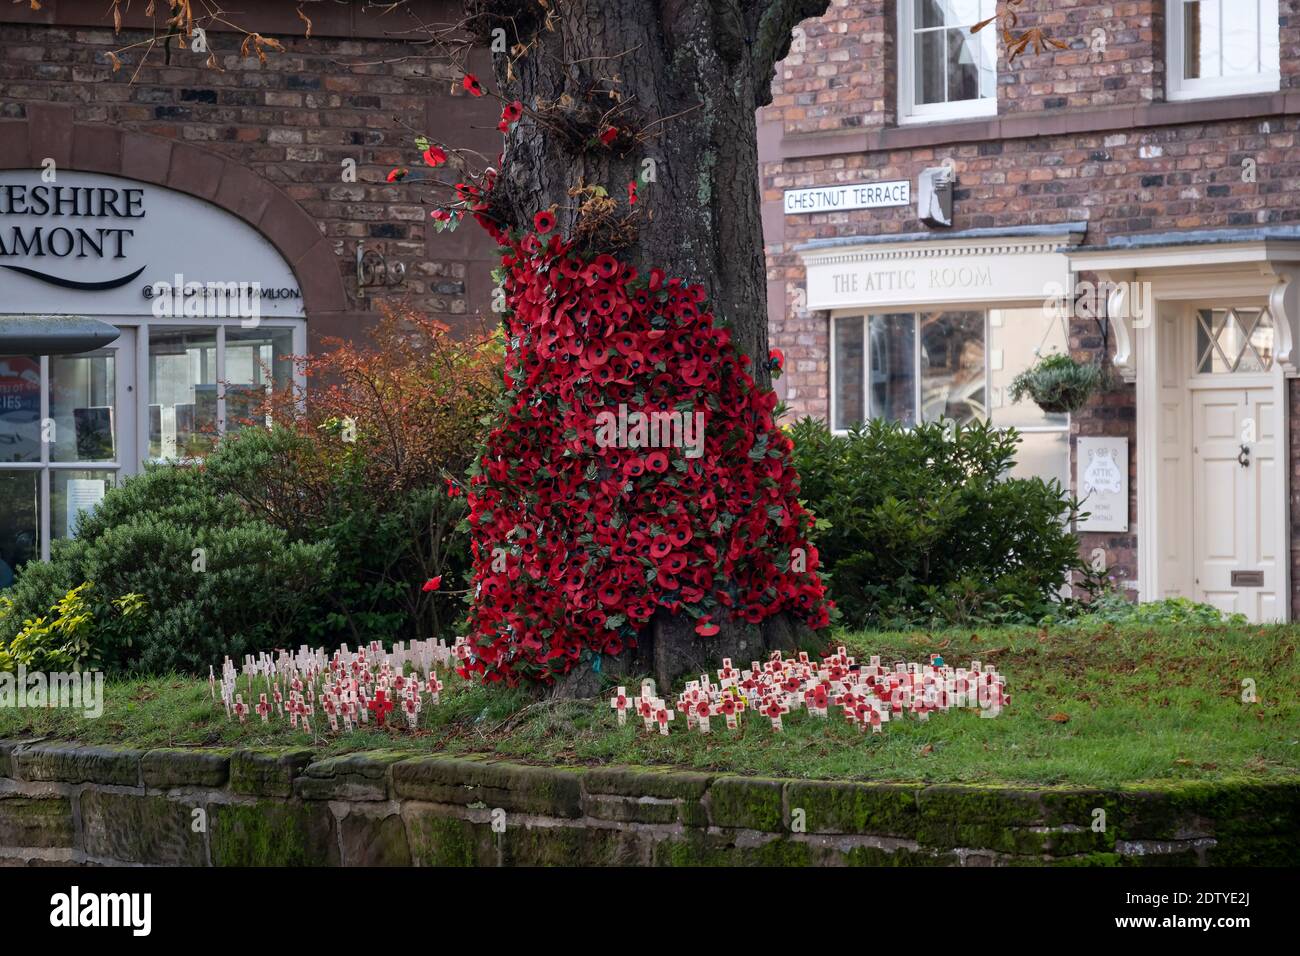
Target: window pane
[
  {"x": 1240, "y": 29},
  {"x": 952, "y": 366},
  {"x": 182, "y": 392},
  {"x": 967, "y": 13},
  {"x": 1017, "y": 339},
  {"x": 1261, "y": 339},
  {"x": 257, "y": 361},
  {"x": 929, "y": 54},
  {"x": 73, "y": 493},
  {"x": 1233, "y": 340},
  {"x": 82, "y": 392},
  {"x": 1270, "y": 37},
  {"x": 988, "y": 41},
  {"x": 848, "y": 371},
  {"x": 20, "y": 408},
  {"x": 1200, "y": 39},
  {"x": 19, "y": 522},
  {"x": 1043, "y": 455},
  {"x": 929, "y": 13},
  {"x": 893, "y": 367},
  {"x": 963, "y": 65}
]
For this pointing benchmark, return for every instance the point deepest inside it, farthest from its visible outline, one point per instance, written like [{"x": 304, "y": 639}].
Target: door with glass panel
[
  {"x": 1238, "y": 521},
  {"x": 66, "y": 434}
]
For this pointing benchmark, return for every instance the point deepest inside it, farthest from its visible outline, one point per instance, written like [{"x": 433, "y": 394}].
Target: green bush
[
  {"x": 920, "y": 525},
  {"x": 216, "y": 580},
  {"x": 82, "y": 623},
  {"x": 385, "y": 544},
  {"x": 1112, "y": 607}
]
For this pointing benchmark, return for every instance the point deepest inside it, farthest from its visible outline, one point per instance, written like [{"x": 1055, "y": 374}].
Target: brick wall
[
  {"x": 346, "y": 93},
  {"x": 1081, "y": 135}
]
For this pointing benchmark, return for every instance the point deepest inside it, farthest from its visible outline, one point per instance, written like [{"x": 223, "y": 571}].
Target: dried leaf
[
  {"x": 112, "y": 58},
  {"x": 981, "y": 25},
  {"x": 1060, "y": 718},
  {"x": 307, "y": 20}
]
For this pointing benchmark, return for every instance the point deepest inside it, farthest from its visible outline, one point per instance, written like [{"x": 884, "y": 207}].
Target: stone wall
[{"x": 65, "y": 803}]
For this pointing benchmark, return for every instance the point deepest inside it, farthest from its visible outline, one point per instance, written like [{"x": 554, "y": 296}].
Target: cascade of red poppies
[{"x": 578, "y": 538}]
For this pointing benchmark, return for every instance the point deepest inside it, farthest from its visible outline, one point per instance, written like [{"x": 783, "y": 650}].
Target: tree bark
[{"x": 686, "y": 78}]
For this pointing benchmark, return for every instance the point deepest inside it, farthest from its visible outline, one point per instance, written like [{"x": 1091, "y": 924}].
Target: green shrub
[
  {"x": 920, "y": 525},
  {"x": 216, "y": 580},
  {"x": 1112, "y": 607},
  {"x": 385, "y": 544},
  {"x": 81, "y": 625}
]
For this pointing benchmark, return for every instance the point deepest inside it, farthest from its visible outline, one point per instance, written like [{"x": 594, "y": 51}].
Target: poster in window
[
  {"x": 94, "y": 426},
  {"x": 83, "y": 496}
]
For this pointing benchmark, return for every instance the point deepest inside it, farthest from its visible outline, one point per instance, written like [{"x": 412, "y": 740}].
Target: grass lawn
[{"x": 1091, "y": 707}]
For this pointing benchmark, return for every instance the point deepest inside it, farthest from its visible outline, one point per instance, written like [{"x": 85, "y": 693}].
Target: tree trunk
[{"x": 680, "y": 80}]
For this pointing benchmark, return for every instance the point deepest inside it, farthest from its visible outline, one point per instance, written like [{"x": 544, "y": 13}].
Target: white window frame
[
  {"x": 1180, "y": 88},
  {"x": 864, "y": 316},
  {"x": 909, "y": 111},
  {"x": 142, "y": 326},
  {"x": 133, "y": 451}
]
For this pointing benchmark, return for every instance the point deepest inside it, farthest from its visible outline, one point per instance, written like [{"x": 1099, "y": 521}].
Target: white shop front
[
  {"x": 185, "y": 368},
  {"x": 1211, "y": 359},
  {"x": 923, "y": 329}
]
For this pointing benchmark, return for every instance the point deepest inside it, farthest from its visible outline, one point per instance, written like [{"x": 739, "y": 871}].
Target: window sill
[
  {"x": 1266, "y": 87},
  {"x": 778, "y": 148},
  {"x": 971, "y": 111}
]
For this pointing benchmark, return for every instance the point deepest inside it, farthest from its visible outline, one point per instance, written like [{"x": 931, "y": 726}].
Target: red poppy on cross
[
  {"x": 773, "y": 708},
  {"x": 381, "y": 705},
  {"x": 621, "y": 703}
]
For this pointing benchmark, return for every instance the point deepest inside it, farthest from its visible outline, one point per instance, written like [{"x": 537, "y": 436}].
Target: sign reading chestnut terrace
[
  {"x": 90, "y": 244},
  {"x": 850, "y": 196}
]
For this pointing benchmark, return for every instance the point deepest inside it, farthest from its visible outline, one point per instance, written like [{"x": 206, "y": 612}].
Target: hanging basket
[{"x": 1057, "y": 383}]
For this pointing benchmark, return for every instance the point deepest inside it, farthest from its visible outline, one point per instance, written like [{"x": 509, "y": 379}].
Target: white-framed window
[
  {"x": 1222, "y": 48},
  {"x": 945, "y": 72},
  {"x": 73, "y": 426},
  {"x": 953, "y": 364}
]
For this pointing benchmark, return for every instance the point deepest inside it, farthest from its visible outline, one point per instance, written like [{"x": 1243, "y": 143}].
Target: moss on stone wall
[{"x": 284, "y": 808}]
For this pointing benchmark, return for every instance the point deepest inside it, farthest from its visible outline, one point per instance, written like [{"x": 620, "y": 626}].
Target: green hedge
[{"x": 921, "y": 525}]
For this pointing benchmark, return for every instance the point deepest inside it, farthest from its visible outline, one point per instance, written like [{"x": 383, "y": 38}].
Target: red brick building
[
  {"x": 1150, "y": 169},
  {"x": 270, "y": 173},
  {"x": 1156, "y": 154}
]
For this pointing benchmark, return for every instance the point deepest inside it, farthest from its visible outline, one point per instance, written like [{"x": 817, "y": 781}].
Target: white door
[{"x": 1235, "y": 529}]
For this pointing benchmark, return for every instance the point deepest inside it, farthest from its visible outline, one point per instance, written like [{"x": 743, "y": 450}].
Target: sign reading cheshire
[
  {"x": 100, "y": 245},
  {"x": 851, "y": 196}
]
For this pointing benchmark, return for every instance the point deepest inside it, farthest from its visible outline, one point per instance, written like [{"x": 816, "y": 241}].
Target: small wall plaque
[{"x": 1101, "y": 482}]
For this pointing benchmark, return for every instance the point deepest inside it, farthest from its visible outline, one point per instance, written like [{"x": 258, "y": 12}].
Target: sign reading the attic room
[
  {"x": 1102, "y": 481},
  {"x": 851, "y": 196}
]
